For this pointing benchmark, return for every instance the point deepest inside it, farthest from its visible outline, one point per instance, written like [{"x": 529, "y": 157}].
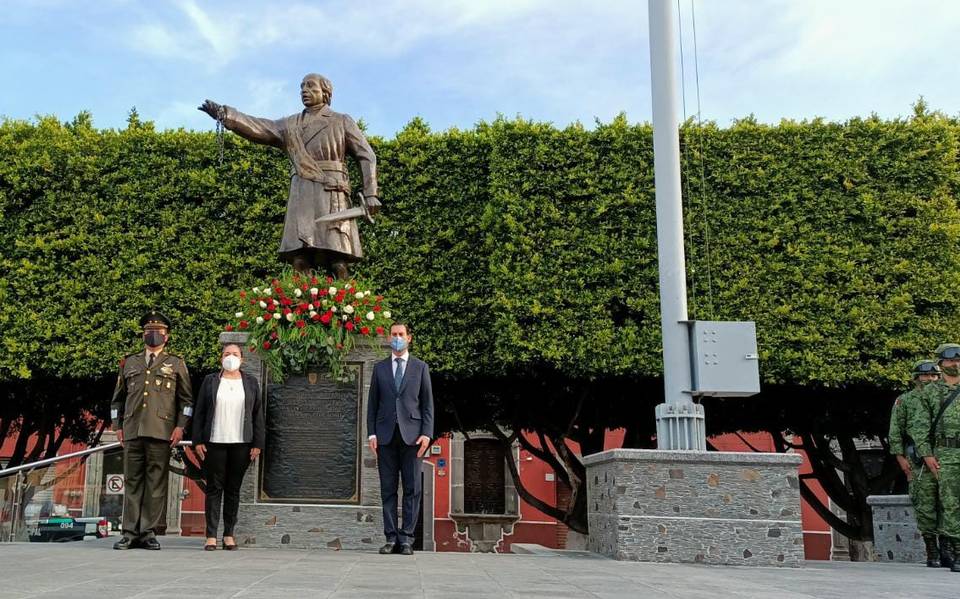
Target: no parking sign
[{"x": 114, "y": 484}]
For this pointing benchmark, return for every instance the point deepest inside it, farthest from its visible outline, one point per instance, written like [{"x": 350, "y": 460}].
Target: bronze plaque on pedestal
[{"x": 312, "y": 454}]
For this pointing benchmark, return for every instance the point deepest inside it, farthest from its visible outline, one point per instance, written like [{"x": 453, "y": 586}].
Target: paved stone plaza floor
[{"x": 181, "y": 569}]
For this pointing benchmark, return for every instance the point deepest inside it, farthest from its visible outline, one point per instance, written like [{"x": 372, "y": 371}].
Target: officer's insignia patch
[{"x": 166, "y": 369}]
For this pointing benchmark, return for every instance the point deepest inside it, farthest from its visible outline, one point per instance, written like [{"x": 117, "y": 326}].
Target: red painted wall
[{"x": 533, "y": 527}]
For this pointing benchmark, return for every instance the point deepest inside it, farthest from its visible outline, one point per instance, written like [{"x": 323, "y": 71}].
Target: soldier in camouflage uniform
[
  {"x": 923, "y": 484},
  {"x": 938, "y": 441},
  {"x": 151, "y": 404}
]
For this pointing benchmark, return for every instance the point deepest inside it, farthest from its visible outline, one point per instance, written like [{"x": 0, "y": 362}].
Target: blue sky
[{"x": 457, "y": 62}]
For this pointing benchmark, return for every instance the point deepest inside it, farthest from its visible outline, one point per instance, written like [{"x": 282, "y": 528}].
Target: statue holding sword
[{"x": 320, "y": 229}]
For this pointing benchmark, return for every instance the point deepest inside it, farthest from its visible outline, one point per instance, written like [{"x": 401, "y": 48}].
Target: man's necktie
[
  {"x": 398, "y": 375},
  {"x": 150, "y": 360}
]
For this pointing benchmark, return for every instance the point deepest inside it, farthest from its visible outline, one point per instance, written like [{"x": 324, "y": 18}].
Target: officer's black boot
[
  {"x": 933, "y": 550},
  {"x": 946, "y": 560}
]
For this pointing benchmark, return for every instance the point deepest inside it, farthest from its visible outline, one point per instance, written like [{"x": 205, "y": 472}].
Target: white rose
[
  {"x": 386, "y": 314},
  {"x": 314, "y": 291},
  {"x": 268, "y": 291},
  {"x": 371, "y": 316},
  {"x": 263, "y": 304},
  {"x": 332, "y": 291},
  {"x": 297, "y": 292},
  {"x": 290, "y": 317},
  {"x": 333, "y": 308},
  {"x": 348, "y": 309},
  {"x": 359, "y": 295},
  {"x": 312, "y": 313},
  {"x": 239, "y": 314},
  {"x": 259, "y": 319},
  {"x": 277, "y": 316},
  {"x": 256, "y": 290},
  {"x": 345, "y": 317}
]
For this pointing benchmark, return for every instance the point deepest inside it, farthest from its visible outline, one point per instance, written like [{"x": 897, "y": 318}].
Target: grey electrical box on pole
[{"x": 724, "y": 359}]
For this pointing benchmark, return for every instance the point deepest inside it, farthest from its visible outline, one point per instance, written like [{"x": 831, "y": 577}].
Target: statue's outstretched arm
[{"x": 257, "y": 130}]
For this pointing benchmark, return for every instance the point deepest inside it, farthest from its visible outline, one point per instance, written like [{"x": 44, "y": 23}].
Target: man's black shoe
[
  {"x": 388, "y": 549},
  {"x": 125, "y": 543},
  {"x": 406, "y": 549},
  {"x": 151, "y": 543}
]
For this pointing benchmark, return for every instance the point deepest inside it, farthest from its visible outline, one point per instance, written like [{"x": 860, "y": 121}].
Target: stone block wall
[
  {"x": 895, "y": 534},
  {"x": 706, "y": 507}
]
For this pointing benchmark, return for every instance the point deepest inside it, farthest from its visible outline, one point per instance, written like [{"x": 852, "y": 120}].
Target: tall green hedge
[{"x": 511, "y": 246}]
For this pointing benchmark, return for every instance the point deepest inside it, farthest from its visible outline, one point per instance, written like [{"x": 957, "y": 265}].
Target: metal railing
[{"x": 61, "y": 497}]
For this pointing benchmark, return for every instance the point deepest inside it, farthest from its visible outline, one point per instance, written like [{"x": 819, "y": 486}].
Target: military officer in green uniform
[
  {"x": 937, "y": 436},
  {"x": 923, "y": 484},
  {"x": 151, "y": 404}
]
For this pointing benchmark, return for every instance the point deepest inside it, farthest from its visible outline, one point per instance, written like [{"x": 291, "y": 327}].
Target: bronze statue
[{"x": 320, "y": 228}]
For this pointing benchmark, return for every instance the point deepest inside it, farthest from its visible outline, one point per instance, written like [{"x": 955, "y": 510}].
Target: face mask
[
  {"x": 950, "y": 370},
  {"x": 153, "y": 338},
  {"x": 398, "y": 344},
  {"x": 231, "y": 363}
]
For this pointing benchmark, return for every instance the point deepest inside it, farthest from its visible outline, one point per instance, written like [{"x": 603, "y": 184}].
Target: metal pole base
[{"x": 681, "y": 426}]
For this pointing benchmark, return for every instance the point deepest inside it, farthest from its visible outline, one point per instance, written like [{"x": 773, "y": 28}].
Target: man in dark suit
[{"x": 400, "y": 423}]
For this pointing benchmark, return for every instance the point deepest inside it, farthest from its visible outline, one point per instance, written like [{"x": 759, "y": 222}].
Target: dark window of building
[{"x": 483, "y": 471}]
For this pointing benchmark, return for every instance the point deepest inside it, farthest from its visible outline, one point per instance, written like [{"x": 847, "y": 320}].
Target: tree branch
[
  {"x": 525, "y": 494},
  {"x": 832, "y": 519}
]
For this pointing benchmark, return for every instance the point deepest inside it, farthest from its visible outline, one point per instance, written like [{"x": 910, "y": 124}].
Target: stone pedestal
[
  {"x": 346, "y": 521},
  {"x": 895, "y": 534},
  {"x": 706, "y": 507}
]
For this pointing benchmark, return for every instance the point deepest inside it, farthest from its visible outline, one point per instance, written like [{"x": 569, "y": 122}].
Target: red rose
[
  {"x": 304, "y": 306},
  {"x": 380, "y": 331},
  {"x": 324, "y": 292},
  {"x": 357, "y": 319},
  {"x": 244, "y": 324},
  {"x": 329, "y": 279},
  {"x": 275, "y": 282},
  {"x": 274, "y": 335},
  {"x": 287, "y": 311},
  {"x": 379, "y": 298},
  {"x": 228, "y": 328},
  {"x": 340, "y": 295},
  {"x": 314, "y": 281},
  {"x": 366, "y": 300},
  {"x": 325, "y": 319},
  {"x": 286, "y": 302},
  {"x": 304, "y": 287},
  {"x": 349, "y": 325},
  {"x": 253, "y": 302},
  {"x": 266, "y": 345},
  {"x": 301, "y": 324},
  {"x": 377, "y": 308},
  {"x": 316, "y": 317},
  {"x": 243, "y": 295},
  {"x": 365, "y": 330},
  {"x": 352, "y": 290}
]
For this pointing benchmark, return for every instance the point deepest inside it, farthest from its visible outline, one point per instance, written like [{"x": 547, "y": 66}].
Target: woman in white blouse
[{"x": 228, "y": 434}]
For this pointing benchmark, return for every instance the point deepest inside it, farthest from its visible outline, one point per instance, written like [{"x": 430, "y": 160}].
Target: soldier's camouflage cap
[{"x": 948, "y": 351}]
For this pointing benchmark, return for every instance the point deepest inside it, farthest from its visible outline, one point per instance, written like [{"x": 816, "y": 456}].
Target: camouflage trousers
[
  {"x": 949, "y": 485},
  {"x": 924, "y": 494}
]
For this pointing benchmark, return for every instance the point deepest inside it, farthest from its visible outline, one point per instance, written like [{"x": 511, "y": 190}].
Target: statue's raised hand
[{"x": 212, "y": 108}]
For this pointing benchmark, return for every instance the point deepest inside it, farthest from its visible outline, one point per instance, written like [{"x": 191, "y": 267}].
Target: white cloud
[{"x": 220, "y": 35}]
